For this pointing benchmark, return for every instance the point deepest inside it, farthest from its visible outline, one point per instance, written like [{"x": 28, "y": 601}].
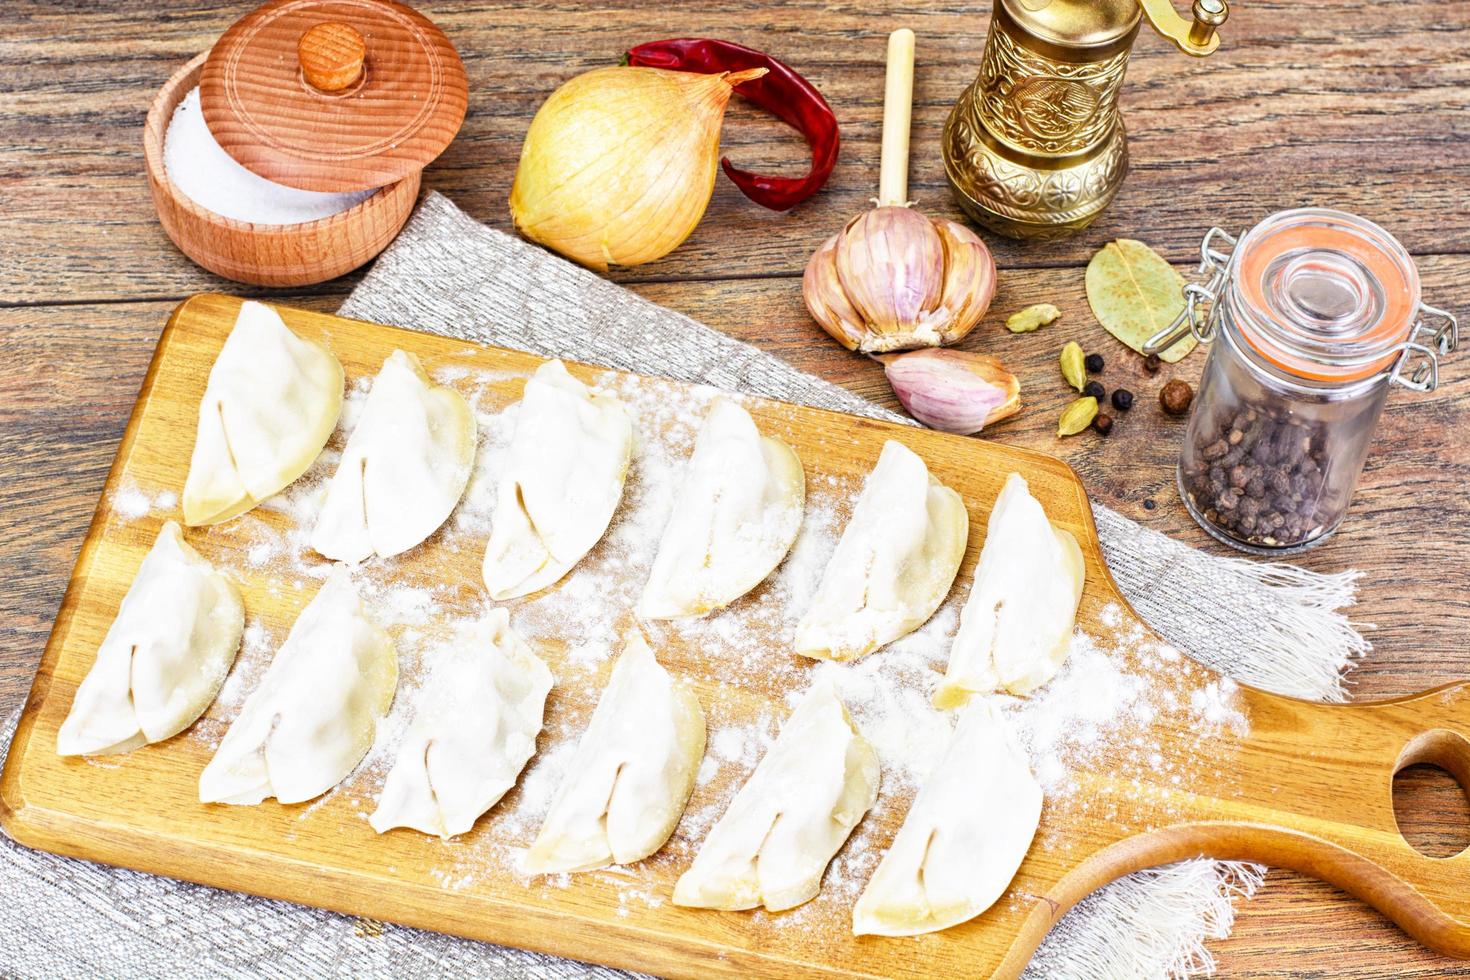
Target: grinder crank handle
[
  {"x": 1197, "y": 37},
  {"x": 1315, "y": 794}
]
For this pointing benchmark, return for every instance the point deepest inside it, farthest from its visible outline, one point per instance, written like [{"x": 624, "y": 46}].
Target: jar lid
[
  {"x": 1324, "y": 295},
  {"x": 333, "y": 95}
]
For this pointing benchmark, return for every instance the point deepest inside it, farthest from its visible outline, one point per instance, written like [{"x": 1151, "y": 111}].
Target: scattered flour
[
  {"x": 131, "y": 503},
  {"x": 1126, "y": 716},
  {"x": 1104, "y": 735}
]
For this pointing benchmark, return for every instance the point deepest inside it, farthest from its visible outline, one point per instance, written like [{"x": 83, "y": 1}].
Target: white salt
[{"x": 211, "y": 178}]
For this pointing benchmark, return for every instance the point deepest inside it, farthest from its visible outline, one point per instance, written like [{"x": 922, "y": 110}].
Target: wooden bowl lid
[{"x": 333, "y": 95}]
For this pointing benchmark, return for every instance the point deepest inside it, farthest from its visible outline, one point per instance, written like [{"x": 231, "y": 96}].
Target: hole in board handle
[{"x": 1431, "y": 794}]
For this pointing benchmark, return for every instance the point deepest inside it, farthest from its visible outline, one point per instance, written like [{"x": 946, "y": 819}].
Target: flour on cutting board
[
  {"x": 131, "y": 502},
  {"x": 1100, "y": 715}
]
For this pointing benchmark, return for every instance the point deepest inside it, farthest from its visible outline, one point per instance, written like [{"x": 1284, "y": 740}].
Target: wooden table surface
[{"x": 1355, "y": 104}]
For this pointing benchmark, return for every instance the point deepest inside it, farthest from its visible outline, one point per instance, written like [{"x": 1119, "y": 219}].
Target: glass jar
[{"x": 1313, "y": 314}]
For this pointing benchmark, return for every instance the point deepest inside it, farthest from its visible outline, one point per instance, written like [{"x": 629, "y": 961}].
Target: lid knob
[{"x": 331, "y": 56}]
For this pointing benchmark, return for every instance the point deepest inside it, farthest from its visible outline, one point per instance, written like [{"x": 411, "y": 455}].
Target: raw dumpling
[
  {"x": 316, "y": 711},
  {"x": 1017, "y": 624},
  {"x": 561, "y": 484},
  {"x": 963, "y": 839},
  {"x": 627, "y": 785},
  {"x": 405, "y": 466},
  {"x": 164, "y": 657},
  {"x": 737, "y": 514},
  {"x": 474, "y": 730},
  {"x": 788, "y": 820},
  {"x": 271, "y": 402},
  {"x": 894, "y": 564}
]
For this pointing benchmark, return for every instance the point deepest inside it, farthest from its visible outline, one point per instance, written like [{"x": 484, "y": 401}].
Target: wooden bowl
[{"x": 266, "y": 255}]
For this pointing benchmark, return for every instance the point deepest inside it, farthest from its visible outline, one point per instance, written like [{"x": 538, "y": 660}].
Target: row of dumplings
[
  {"x": 273, "y": 399},
  {"x": 271, "y": 402}
]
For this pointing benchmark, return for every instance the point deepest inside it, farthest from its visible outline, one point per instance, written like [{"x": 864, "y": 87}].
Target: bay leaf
[{"x": 1134, "y": 294}]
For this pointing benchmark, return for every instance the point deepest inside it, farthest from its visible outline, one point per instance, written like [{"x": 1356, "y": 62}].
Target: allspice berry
[
  {"x": 1176, "y": 396},
  {"x": 1103, "y": 424}
]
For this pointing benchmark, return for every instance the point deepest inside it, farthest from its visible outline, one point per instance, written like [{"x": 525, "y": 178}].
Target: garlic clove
[
  {"x": 890, "y": 263},
  {"x": 825, "y": 299},
  {"x": 951, "y": 390},
  {"x": 969, "y": 279}
]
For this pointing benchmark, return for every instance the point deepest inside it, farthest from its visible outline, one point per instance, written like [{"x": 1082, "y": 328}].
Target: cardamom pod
[
  {"x": 1032, "y": 318},
  {"x": 1074, "y": 366},
  {"x": 1077, "y": 416}
]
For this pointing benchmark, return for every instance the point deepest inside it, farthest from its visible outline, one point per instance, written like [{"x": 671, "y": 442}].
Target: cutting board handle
[{"x": 1321, "y": 778}]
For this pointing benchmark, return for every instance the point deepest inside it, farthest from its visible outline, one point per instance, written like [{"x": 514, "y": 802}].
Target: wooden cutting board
[{"x": 1284, "y": 782}]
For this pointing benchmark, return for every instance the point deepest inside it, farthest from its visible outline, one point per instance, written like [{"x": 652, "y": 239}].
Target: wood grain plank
[
  {"x": 1321, "y": 101},
  {"x": 1367, "y": 117}
]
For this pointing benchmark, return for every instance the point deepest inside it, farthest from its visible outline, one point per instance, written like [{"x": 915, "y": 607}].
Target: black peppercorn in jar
[{"x": 1313, "y": 314}]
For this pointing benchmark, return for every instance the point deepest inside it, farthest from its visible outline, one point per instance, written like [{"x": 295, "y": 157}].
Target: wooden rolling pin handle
[
  {"x": 898, "y": 107},
  {"x": 331, "y": 56}
]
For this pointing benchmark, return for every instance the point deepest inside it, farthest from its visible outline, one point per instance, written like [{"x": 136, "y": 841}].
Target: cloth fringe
[
  {"x": 1152, "y": 924},
  {"x": 1298, "y": 643}
]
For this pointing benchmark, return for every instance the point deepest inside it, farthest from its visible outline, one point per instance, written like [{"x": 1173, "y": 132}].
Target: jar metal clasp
[
  {"x": 1435, "y": 333},
  {"x": 1417, "y": 368},
  {"x": 1202, "y": 305}
]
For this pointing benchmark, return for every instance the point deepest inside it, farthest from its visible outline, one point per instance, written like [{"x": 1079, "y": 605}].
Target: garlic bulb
[
  {"x": 893, "y": 279},
  {"x": 619, "y": 163},
  {"x": 953, "y": 390}
]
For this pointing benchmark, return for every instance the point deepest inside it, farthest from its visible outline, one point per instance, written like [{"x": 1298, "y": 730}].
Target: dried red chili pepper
[{"x": 781, "y": 92}]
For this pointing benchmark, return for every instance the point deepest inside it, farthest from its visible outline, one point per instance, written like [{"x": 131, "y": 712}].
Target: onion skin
[
  {"x": 893, "y": 279},
  {"x": 619, "y": 163}
]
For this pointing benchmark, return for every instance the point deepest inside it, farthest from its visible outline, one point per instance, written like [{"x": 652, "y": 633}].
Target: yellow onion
[
  {"x": 893, "y": 279},
  {"x": 619, "y": 163}
]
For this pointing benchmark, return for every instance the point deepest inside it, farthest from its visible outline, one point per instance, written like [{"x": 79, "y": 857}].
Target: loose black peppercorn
[
  {"x": 1093, "y": 363},
  {"x": 1151, "y": 364},
  {"x": 1103, "y": 424},
  {"x": 1095, "y": 389},
  {"x": 1122, "y": 399}
]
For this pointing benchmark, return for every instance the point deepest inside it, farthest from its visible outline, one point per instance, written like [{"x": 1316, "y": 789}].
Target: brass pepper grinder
[{"x": 1035, "y": 147}]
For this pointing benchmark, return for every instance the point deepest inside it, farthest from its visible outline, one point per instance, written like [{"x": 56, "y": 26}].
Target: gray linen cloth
[{"x": 448, "y": 274}]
